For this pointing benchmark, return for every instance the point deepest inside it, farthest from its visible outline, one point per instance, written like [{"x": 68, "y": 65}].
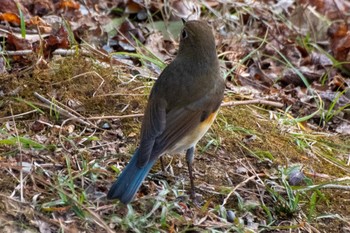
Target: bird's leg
[
  {"x": 162, "y": 163},
  {"x": 189, "y": 159}
]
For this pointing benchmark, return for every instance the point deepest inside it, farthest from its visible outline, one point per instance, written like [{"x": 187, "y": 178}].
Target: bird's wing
[
  {"x": 168, "y": 120},
  {"x": 152, "y": 126},
  {"x": 180, "y": 122}
]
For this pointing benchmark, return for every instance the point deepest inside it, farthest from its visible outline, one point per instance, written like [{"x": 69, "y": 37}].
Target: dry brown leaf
[
  {"x": 338, "y": 83},
  {"x": 15, "y": 43},
  {"x": 70, "y": 4},
  {"x": 41, "y": 7},
  {"x": 133, "y": 7},
  {"x": 333, "y": 9},
  {"x": 340, "y": 42},
  {"x": 10, "y": 18},
  {"x": 11, "y": 6}
]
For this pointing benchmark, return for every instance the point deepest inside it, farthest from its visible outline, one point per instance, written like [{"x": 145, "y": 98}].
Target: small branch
[
  {"x": 59, "y": 109},
  {"x": 19, "y": 144},
  {"x": 16, "y": 30},
  {"x": 327, "y": 186},
  {"x": 73, "y": 112},
  {"x": 17, "y": 53},
  {"x": 115, "y": 117},
  {"x": 17, "y": 116},
  {"x": 78, "y": 118},
  {"x": 120, "y": 94},
  {"x": 336, "y": 186},
  {"x": 238, "y": 186},
  {"x": 256, "y": 101},
  {"x": 231, "y": 103},
  {"x": 65, "y": 52}
]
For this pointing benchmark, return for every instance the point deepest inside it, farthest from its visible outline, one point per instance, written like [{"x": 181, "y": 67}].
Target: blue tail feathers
[{"x": 130, "y": 180}]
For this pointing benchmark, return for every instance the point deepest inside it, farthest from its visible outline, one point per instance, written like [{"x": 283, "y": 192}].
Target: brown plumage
[{"x": 181, "y": 107}]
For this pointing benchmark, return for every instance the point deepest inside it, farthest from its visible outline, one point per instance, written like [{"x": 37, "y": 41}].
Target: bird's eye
[{"x": 184, "y": 34}]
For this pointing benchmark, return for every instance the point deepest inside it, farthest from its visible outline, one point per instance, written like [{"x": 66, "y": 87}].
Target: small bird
[{"x": 183, "y": 104}]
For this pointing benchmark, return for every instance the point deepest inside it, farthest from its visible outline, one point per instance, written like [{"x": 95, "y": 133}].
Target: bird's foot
[{"x": 196, "y": 198}]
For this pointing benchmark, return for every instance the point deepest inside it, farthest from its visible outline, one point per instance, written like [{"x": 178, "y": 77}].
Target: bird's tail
[{"x": 130, "y": 180}]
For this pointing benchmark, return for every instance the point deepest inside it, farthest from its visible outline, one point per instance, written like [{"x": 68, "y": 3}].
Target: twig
[
  {"x": 15, "y": 30},
  {"x": 231, "y": 103},
  {"x": 328, "y": 186},
  {"x": 17, "y": 53},
  {"x": 336, "y": 186},
  {"x": 78, "y": 117},
  {"x": 238, "y": 186},
  {"x": 65, "y": 52},
  {"x": 256, "y": 101},
  {"x": 19, "y": 167},
  {"x": 19, "y": 144},
  {"x": 75, "y": 113},
  {"x": 60, "y": 110},
  {"x": 121, "y": 94},
  {"x": 88, "y": 47},
  {"x": 106, "y": 57},
  {"x": 115, "y": 117},
  {"x": 17, "y": 116}
]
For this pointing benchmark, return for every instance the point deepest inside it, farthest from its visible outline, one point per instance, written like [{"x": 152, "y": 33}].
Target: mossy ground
[{"x": 246, "y": 147}]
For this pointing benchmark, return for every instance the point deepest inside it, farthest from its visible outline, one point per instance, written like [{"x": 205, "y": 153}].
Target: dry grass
[
  {"x": 257, "y": 169},
  {"x": 242, "y": 165}
]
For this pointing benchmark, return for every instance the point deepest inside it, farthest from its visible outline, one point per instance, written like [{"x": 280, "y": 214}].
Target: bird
[{"x": 182, "y": 105}]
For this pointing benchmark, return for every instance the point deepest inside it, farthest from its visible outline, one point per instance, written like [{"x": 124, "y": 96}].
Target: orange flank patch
[{"x": 193, "y": 137}]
